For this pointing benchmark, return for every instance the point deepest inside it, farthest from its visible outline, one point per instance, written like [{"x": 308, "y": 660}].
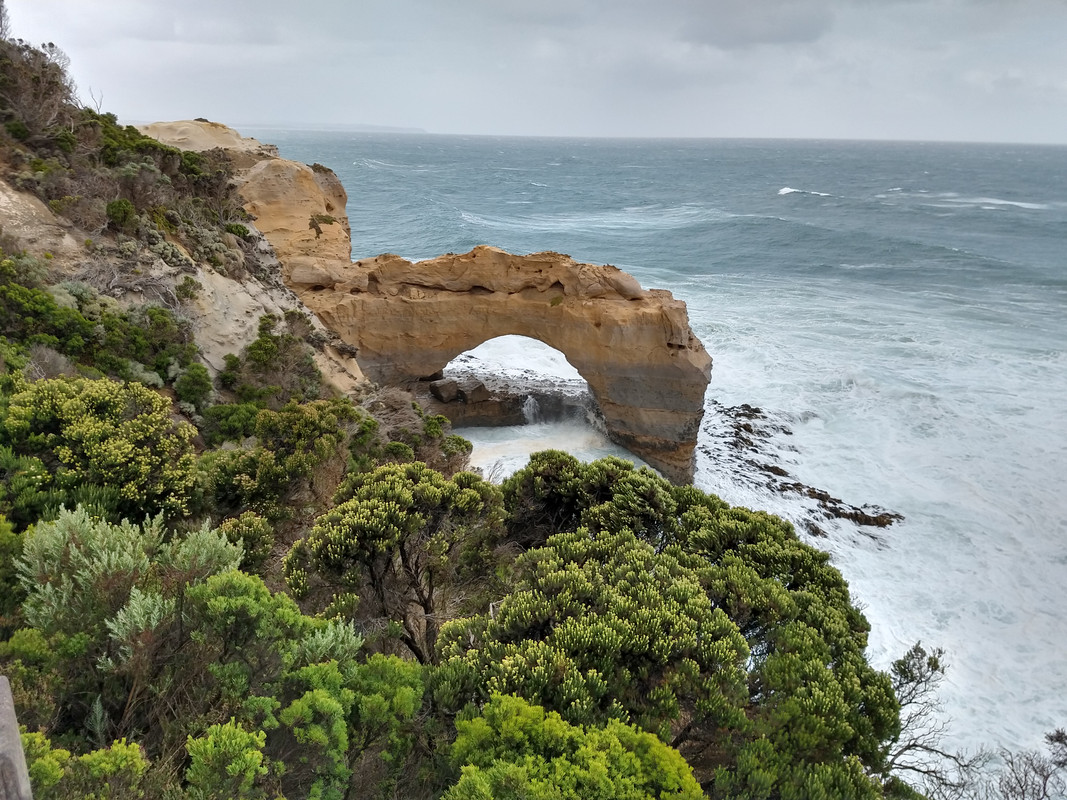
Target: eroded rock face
[
  {"x": 301, "y": 212},
  {"x": 644, "y": 366}
]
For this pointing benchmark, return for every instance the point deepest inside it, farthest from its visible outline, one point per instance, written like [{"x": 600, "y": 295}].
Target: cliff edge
[{"x": 405, "y": 321}]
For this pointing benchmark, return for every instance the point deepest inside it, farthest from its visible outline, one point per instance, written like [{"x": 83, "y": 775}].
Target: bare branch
[{"x": 5, "y": 23}]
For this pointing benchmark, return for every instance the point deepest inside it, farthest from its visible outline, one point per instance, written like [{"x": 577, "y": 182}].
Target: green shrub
[
  {"x": 514, "y": 749},
  {"x": 17, "y": 129},
  {"x": 106, "y": 434},
  {"x": 276, "y": 367},
  {"x": 122, "y": 215},
  {"x": 189, "y": 289},
  {"x": 193, "y": 385},
  {"x": 225, "y": 762},
  {"x": 254, "y": 533},
  {"x": 11, "y": 594},
  {"x": 229, "y": 422},
  {"x": 237, "y": 229}
]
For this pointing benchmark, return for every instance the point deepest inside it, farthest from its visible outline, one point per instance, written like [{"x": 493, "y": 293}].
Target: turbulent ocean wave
[
  {"x": 789, "y": 190},
  {"x": 636, "y": 219}
]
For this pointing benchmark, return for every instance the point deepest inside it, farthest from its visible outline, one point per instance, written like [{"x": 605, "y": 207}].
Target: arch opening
[
  {"x": 550, "y": 405},
  {"x": 512, "y": 380}
]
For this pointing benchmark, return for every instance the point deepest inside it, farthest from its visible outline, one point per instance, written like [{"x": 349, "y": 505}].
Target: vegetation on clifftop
[{"x": 243, "y": 586}]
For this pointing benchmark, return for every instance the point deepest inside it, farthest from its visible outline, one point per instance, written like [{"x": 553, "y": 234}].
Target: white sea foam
[
  {"x": 517, "y": 357},
  {"x": 499, "y": 452},
  {"x": 789, "y": 190},
  {"x": 954, "y": 199},
  {"x": 919, "y": 406},
  {"x": 378, "y": 164}
]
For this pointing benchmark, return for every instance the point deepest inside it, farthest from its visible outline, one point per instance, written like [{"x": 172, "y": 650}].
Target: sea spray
[{"x": 531, "y": 410}]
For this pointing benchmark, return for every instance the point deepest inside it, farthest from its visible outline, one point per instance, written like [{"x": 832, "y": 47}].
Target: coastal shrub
[
  {"x": 101, "y": 599},
  {"x": 409, "y": 536},
  {"x": 193, "y": 385},
  {"x": 105, "y": 434},
  {"x": 188, "y": 290},
  {"x": 275, "y": 368},
  {"x": 17, "y": 129},
  {"x": 514, "y": 749},
  {"x": 229, "y": 422},
  {"x": 403, "y": 431},
  {"x": 115, "y": 772},
  {"x": 122, "y": 215},
  {"x": 254, "y": 533},
  {"x": 225, "y": 762},
  {"x": 75, "y": 321},
  {"x": 294, "y": 445},
  {"x": 600, "y": 627},
  {"x": 10, "y": 591}
]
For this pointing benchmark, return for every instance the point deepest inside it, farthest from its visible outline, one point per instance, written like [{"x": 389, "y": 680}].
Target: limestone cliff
[
  {"x": 301, "y": 212},
  {"x": 644, "y": 366},
  {"x": 406, "y": 321}
]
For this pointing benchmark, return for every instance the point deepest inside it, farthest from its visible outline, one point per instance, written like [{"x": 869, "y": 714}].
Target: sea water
[{"x": 895, "y": 310}]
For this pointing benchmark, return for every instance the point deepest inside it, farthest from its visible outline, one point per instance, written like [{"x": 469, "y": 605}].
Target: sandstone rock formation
[
  {"x": 644, "y": 366},
  {"x": 301, "y": 212},
  {"x": 200, "y": 135}
]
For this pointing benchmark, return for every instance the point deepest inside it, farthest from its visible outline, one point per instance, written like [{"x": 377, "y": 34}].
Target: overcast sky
[{"x": 967, "y": 70}]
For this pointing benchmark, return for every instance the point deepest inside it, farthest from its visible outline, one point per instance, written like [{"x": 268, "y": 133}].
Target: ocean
[{"x": 888, "y": 326}]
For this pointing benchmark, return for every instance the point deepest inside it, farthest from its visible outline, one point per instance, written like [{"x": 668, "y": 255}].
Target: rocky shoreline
[
  {"x": 745, "y": 435},
  {"x": 472, "y": 394}
]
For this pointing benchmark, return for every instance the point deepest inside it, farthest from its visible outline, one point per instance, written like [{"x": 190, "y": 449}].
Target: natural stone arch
[{"x": 634, "y": 348}]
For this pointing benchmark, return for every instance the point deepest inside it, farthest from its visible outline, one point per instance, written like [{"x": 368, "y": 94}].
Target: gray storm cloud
[{"x": 919, "y": 69}]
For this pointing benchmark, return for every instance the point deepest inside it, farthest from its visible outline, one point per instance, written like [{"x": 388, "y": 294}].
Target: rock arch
[{"x": 634, "y": 347}]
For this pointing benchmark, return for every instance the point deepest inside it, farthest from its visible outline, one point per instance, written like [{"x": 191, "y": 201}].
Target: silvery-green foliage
[
  {"x": 77, "y": 570},
  {"x": 80, "y": 573},
  {"x": 202, "y": 553},
  {"x": 337, "y": 640},
  {"x": 129, "y": 630}
]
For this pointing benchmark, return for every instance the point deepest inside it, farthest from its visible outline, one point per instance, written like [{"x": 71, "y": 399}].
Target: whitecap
[
  {"x": 988, "y": 202},
  {"x": 378, "y": 164},
  {"x": 790, "y": 190}
]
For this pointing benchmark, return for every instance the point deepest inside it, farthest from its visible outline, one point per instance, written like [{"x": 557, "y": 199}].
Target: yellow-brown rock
[
  {"x": 301, "y": 212},
  {"x": 644, "y": 366}
]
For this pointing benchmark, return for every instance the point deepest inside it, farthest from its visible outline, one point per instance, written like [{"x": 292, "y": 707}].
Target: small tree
[
  {"x": 34, "y": 84},
  {"x": 413, "y": 538}
]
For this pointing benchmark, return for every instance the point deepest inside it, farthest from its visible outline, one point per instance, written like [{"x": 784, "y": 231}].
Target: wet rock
[{"x": 446, "y": 390}]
